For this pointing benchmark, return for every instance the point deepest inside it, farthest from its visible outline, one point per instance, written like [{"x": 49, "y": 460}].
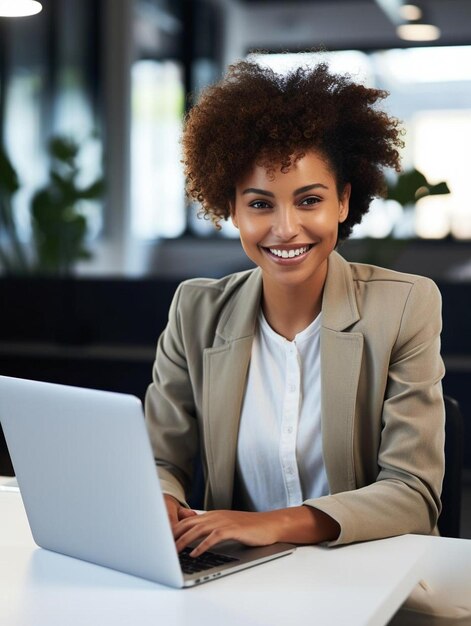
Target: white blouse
[{"x": 279, "y": 452}]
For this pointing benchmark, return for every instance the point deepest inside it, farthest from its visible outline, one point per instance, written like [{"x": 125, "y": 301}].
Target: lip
[{"x": 296, "y": 260}]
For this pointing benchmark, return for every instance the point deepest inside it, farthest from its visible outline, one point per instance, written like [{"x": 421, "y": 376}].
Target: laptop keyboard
[{"x": 207, "y": 560}]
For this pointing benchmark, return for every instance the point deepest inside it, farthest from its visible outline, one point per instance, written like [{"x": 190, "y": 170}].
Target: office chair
[{"x": 449, "y": 520}]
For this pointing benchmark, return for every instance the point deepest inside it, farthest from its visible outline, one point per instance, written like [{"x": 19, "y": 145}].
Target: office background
[{"x": 92, "y": 96}]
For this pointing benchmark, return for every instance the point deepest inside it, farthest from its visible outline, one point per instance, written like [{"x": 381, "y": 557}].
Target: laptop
[{"x": 87, "y": 476}]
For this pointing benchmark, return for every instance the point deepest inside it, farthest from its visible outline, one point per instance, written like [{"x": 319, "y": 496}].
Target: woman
[{"x": 311, "y": 386}]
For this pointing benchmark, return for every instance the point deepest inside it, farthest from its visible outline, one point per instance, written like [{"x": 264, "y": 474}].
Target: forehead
[{"x": 310, "y": 168}]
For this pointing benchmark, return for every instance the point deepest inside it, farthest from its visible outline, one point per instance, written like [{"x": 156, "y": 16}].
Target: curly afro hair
[{"x": 255, "y": 116}]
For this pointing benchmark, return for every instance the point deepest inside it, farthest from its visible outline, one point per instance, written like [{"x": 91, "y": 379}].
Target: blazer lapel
[
  {"x": 341, "y": 356},
  {"x": 225, "y": 369}
]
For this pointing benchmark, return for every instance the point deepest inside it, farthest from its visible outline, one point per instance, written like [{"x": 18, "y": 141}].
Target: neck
[{"x": 290, "y": 309}]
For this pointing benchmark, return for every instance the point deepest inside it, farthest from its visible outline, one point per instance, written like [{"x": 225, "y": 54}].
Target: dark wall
[
  {"x": 84, "y": 311},
  {"x": 91, "y": 333}
]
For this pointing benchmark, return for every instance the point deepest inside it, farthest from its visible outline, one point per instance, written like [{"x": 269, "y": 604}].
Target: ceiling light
[
  {"x": 411, "y": 21},
  {"x": 19, "y": 8},
  {"x": 418, "y": 32},
  {"x": 410, "y": 12}
]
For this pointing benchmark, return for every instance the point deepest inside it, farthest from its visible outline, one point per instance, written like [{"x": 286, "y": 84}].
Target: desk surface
[{"x": 358, "y": 585}]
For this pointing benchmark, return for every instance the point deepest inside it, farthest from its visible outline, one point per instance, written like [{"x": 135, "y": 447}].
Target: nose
[{"x": 285, "y": 223}]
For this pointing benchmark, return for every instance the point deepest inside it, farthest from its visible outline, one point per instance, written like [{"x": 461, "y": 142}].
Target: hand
[
  {"x": 251, "y": 529},
  {"x": 176, "y": 512},
  {"x": 302, "y": 525}
]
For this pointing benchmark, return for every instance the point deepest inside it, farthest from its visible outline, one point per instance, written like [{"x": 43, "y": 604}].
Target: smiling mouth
[{"x": 292, "y": 253}]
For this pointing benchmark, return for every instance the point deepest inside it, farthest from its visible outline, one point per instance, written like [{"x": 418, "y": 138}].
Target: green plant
[
  {"x": 59, "y": 225},
  {"x": 12, "y": 256},
  {"x": 411, "y": 185},
  {"x": 406, "y": 188}
]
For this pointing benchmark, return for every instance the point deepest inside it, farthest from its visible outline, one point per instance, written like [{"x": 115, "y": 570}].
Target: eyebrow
[
  {"x": 296, "y": 192},
  {"x": 308, "y": 188},
  {"x": 260, "y": 192}
]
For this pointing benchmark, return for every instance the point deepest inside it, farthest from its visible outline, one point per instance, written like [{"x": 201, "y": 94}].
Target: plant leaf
[
  {"x": 9, "y": 182},
  {"x": 64, "y": 149},
  {"x": 412, "y": 185}
]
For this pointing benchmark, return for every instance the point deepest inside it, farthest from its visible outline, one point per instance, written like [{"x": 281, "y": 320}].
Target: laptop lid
[
  {"x": 88, "y": 480},
  {"x": 87, "y": 477}
]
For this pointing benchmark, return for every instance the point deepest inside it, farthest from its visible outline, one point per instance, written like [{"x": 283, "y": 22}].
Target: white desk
[{"x": 357, "y": 585}]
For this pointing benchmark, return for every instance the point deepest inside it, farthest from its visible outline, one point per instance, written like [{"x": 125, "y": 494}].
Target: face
[{"x": 288, "y": 223}]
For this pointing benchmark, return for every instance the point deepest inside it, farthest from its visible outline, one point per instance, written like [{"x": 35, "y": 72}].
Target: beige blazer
[{"x": 382, "y": 406}]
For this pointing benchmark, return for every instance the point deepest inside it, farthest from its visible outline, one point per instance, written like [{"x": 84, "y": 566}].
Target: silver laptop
[{"x": 88, "y": 480}]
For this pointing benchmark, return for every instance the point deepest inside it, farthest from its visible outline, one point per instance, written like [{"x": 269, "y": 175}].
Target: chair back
[{"x": 449, "y": 520}]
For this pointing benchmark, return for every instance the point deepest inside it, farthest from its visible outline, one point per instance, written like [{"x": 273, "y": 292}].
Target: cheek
[
  {"x": 325, "y": 224},
  {"x": 325, "y": 227},
  {"x": 250, "y": 229}
]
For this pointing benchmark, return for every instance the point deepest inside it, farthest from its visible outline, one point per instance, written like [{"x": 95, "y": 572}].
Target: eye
[
  {"x": 260, "y": 204},
  {"x": 310, "y": 201}
]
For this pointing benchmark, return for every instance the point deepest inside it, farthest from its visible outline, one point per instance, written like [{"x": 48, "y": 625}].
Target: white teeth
[{"x": 285, "y": 254}]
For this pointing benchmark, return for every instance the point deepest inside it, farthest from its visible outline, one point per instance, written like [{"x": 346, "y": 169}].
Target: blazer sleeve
[
  {"x": 405, "y": 498},
  {"x": 170, "y": 409}
]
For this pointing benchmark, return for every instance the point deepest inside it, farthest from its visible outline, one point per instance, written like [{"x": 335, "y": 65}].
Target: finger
[
  {"x": 209, "y": 533},
  {"x": 190, "y": 534},
  {"x": 217, "y": 536},
  {"x": 184, "y": 513},
  {"x": 172, "y": 507},
  {"x": 186, "y": 524},
  {"x": 172, "y": 516},
  {"x": 193, "y": 535}
]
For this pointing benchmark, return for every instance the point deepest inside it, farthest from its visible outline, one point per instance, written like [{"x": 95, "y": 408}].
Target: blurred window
[
  {"x": 23, "y": 141},
  {"x": 157, "y": 183}
]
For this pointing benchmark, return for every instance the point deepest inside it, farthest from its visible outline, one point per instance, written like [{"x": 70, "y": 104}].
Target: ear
[
  {"x": 344, "y": 204},
  {"x": 233, "y": 214}
]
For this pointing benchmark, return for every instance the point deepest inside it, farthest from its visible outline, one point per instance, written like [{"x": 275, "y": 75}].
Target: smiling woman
[
  {"x": 288, "y": 224},
  {"x": 311, "y": 386}
]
